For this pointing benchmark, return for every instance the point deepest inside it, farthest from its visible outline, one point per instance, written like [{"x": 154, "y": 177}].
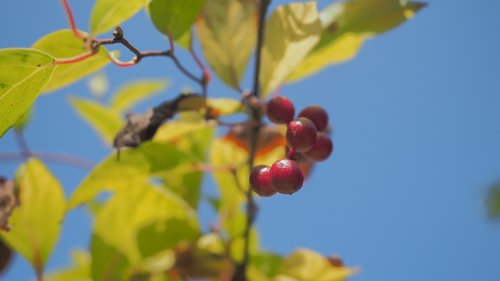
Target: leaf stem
[{"x": 71, "y": 20}]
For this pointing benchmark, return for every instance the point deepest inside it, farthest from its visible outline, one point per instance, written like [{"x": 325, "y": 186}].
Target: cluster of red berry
[{"x": 305, "y": 136}]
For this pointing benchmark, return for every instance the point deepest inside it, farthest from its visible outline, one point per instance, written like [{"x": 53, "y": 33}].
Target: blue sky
[{"x": 417, "y": 143}]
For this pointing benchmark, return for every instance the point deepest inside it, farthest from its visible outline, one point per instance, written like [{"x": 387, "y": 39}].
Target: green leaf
[
  {"x": 138, "y": 164},
  {"x": 172, "y": 17},
  {"x": 108, "y": 263},
  {"x": 36, "y": 223},
  {"x": 25, "y": 119},
  {"x": 303, "y": 265},
  {"x": 108, "y": 14},
  {"x": 23, "y": 74},
  {"x": 346, "y": 25},
  {"x": 267, "y": 263},
  {"x": 193, "y": 139},
  {"x": 79, "y": 271},
  {"x": 63, "y": 44},
  {"x": 132, "y": 93},
  {"x": 227, "y": 33},
  {"x": 225, "y": 106},
  {"x": 291, "y": 32},
  {"x": 106, "y": 121},
  {"x": 144, "y": 220},
  {"x": 185, "y": 40}
]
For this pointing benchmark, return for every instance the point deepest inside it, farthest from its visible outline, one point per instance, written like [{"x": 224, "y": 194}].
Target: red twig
[
  {"x": 122, "y": 63},
  {"x": 71, "y": 20},
  {"x": 75, "y": 58}
]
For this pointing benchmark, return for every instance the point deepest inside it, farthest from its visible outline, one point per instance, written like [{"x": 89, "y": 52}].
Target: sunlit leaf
[
  {"x": 63, "y": 44},
  {"x": 38, "y": 189},
  {"x": 267, "y": 263},
  {"x": 23, "y": 74},
  {"x": 291, "y": 32},
  {"x": 137, "y": 164},
  {"x": 172, "y": 17},
  {"x": 193, "y": 139},
  {"x": 108, "y": 14},
  {"x": 131, "y": 93},
  {"x": 106, "y": 121},
  {"x": 346, "y": 25},
  {"x": 227, "y": 33},
  {"x": 144, "y": 220},
  {"x": 305, "y": 265},
  {"x": 224, "y": 106},
  {"x": 79, "y": 271}
]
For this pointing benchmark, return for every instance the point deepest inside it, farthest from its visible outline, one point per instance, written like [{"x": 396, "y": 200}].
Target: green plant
[{"x": 149, "y": 229}]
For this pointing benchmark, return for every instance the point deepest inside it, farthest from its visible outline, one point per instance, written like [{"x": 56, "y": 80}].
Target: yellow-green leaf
[
  {"x": 131, "y": 93},
  {"x": 291, "y": 32},
  {"x": 108, "y": 14},
  {"x": 63, "y": 44},
  {"x": 224, "y": 106},
  {"x": 23, "y": 74},
  {"x": 185, "y": 40},
  {"x": 36, "y": 223},
  {"x": 173, "y": 17},
  {"x": 227, "y": 33},
  {"x": 305, "y": 265},
  {"x": 346, "y": 25},
  {"x": 133, "y": 219},
  {"x": 79, "y": 271},
  {"x": 137, "y": 164},
  {"x": 106, "y": 121}
]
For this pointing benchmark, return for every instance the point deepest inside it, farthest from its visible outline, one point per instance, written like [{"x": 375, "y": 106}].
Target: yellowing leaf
[
  {"x": 137, "y": 164},
  {"x": 36, "y": 223},
  {"x": 106, "y": 121},
  {"x": 172, "y": 17},
  {"x": 23, "y": 74},
  {"x": 304, "y": 265},
  {"x": 292, "y": 31},
  {"x": 108, "y": 14},
  {"x": 133, "y": 220},
  {"x": 63, "y": 44},
  {"x": 79, "y": 271},
  {"x": 346, "y": 25},
  {"x": 131, "y": 93},
  {"x": 224, "y": 106},
  {"x": 227, "y": 33}
]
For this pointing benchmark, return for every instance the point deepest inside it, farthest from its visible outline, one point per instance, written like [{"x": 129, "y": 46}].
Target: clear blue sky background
[{"x": 417, "y": 143}]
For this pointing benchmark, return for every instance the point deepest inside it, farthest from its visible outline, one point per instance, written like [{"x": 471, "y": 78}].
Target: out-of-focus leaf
[
  {"x": 63, "y": 44},
  {"x": 267, "y": 263},
  {"x": 346, "y": 25},
  {"x": 144, "y": 220},
  {"x": 108, "y": 263},
  {"x": 227, "y": 33},
  {"x": 193, "y": 139},
  {"x": 291, "y": 32},
  {"x": 79, "y": 271},
  {"x": 493, "y": 201},
  {"x": 224, "y": 106},
  {"x": 131, "y": 93},
  {"x": 172, "y": 17},
  {"x": 185, "y": 40},
  {"x": 9, "y": 201},
  {"x": 106, "y": 121},
  {"x": 305, "y": 265},
  {"x": 108, "y": 14},
  {"x": 38, "y": 188},
  {"x": 98, "y": 84},
  {"x": 137, "y": 164},
  {"x": 235, "y": 228},
  {"x": 23, "y": 74}
]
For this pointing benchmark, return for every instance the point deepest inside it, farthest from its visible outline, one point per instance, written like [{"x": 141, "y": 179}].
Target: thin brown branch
[
  {"x": 256, "y": 116},
  {"x": 57, "y": 158},
  {"x": 23, "y": 145}
]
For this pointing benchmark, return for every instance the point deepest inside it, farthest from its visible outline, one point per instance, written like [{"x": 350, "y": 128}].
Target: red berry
[
  {"x": 286, "y": 176},
  {"x": 280, "y": 110},
  {"x": 317, "y": 115},
  {"x": 260, "y": 181},
  {"x": 301, "y": 134},
  {"x": 321, "y": 149}
]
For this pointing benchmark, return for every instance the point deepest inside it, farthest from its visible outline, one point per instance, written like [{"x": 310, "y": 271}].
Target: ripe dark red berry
[
  {"x": 286, "y": 176},
  {"x": 317, "y": 115},
  {"x": 260, "y": 181},
  {"x": 280, "y": 110},
  {"x": 321, "y": 149},
  {"x": 301, "y": 134}
]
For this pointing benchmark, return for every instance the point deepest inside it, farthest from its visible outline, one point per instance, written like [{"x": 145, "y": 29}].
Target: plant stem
[{"x": 256, "y": 119}]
